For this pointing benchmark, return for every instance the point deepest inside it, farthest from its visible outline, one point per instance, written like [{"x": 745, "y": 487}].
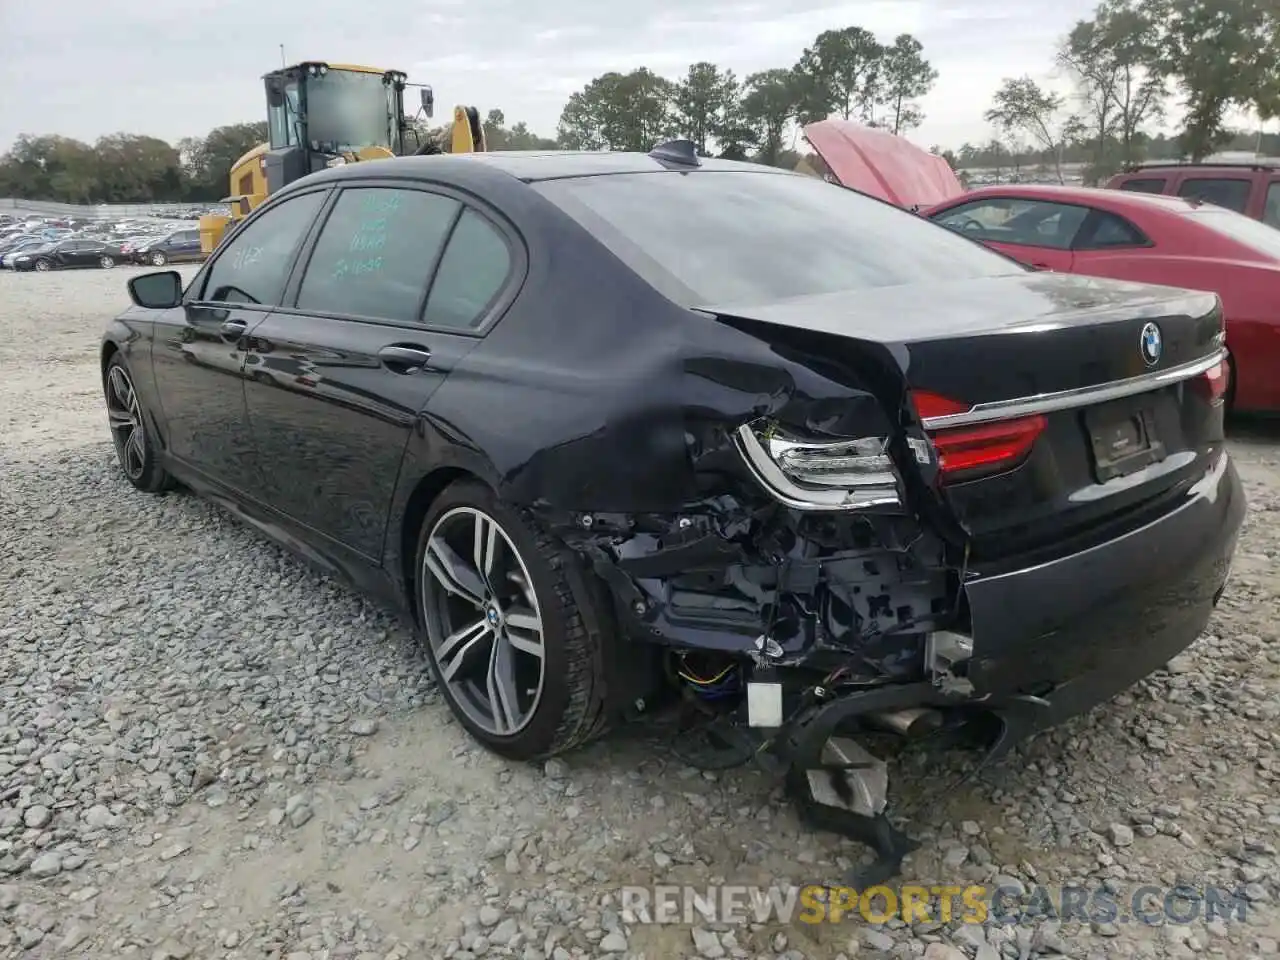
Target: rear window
[
  {"x": 740, "y": 237},
  {"x": 1252, "y": 233}
]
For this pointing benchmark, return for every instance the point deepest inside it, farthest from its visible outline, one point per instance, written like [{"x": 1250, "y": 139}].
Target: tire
[
  {"x": 106, "y": 263},
  {"x": 44, "y": 266},
  {"x": 127, "y": 420},
  {"x": 158, "y": 259},
  {"x": 567, "y": 708}
]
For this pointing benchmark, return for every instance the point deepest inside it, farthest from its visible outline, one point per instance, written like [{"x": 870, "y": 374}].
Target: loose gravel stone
[{"x": 208, "y": 746}]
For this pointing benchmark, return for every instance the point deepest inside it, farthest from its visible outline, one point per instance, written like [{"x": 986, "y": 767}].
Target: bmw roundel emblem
[{"x": 1151, "y": 344}]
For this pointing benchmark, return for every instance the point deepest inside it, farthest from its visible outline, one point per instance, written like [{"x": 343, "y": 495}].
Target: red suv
[{"x": 1249, "y": 187}]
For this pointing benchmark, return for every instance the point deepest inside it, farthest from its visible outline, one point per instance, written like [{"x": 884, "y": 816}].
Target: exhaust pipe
[{"x": 913, "y": 722}]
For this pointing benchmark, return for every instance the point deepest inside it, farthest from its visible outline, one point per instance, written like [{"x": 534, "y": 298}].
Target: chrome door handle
[
  {"x": 233, "y": 328},
  {"x": 403, "y": 358}
]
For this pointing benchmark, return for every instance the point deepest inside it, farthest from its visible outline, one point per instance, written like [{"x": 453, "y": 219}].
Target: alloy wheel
[
  {"x": 484, "y": 622},
  {"x": 106, "y": 263},
  {"x": 125, "y": 418},
  {"x": 42, "y": 265},
  {"x": 158, "y": 259}
]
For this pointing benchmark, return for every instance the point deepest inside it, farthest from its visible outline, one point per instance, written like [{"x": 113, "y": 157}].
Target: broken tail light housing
[
  {"x": 969, "y": 452},
  {"x": 1213, "y": 383},
  {"x": 852, "y": 474}
]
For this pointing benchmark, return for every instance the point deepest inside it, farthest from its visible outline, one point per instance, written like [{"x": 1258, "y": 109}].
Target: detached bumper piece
[{"x": 837, "y": 785}]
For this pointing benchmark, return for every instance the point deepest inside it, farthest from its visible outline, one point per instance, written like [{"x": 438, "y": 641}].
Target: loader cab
[{"x": 321, "y": 114}]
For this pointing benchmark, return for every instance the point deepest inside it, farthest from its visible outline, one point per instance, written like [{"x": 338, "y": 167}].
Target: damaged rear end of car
[{"x": 1000, "y": 494}]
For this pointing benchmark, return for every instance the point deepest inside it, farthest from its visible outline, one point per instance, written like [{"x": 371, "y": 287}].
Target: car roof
[
  {"x": 527, "y": 165},
  {"x": 1096, "y": 196}
]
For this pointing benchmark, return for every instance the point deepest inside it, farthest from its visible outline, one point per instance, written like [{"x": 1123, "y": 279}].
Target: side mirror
[
  {"x": 157, "y": 291},
  {"x": 428, "y": 98}
]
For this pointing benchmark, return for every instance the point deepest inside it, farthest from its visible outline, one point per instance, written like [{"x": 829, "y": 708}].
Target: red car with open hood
[{"x": 1095, "y": 232}]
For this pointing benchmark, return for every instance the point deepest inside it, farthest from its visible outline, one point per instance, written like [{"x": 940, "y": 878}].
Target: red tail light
[
  {"x": 1212, "y": 384},
  {"x": 965, "y": 453}
]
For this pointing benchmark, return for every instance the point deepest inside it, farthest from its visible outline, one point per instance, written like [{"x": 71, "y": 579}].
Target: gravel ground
[{"x": 209, "y": 750}]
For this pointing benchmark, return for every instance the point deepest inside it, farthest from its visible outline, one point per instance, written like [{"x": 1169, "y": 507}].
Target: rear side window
[
  {"x": 374, "y": 254},
  {"x": 1108, "y": 230},
  {"x": 254, "y": 264},
  {"x": 1222, "y": 192},
  {"x": 1252, "y": 233},
  {"x": 1144, "y": 185},
  {"x": 472, "y": 272},
  {"x": 722, "y": 237}
]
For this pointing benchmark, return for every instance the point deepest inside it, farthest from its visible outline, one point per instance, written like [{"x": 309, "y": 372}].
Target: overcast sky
[{"x": 87, "y": 67}]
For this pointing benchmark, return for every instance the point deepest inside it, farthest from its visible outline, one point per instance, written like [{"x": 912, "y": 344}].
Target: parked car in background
[
  {"x": 1155, "y": 239},
  {"x": 1249, "y": 188},
  {"x": 12, "y": 248},
  {"x": 65, "y": 254},
  {"x": 180, "y": 246}
]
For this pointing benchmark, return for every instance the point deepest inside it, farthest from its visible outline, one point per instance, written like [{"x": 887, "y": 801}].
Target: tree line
[{"x": 1126, "y": 64}]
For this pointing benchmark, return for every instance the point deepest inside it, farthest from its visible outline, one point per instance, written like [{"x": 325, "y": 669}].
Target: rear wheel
[
  {"x": 135, "y": 452},
  {"x": 506, "y": 636}
]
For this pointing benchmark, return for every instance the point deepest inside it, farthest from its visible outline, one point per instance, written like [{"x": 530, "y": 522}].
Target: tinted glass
[
  {"x": 255, "y": 264},
  {"x": 721, "y": 237},
  {"x": 474, "y": 268},
  {"x": 1111, "y": 231},
  {"x": 1252, "y": 233},
  {"x": 375, "y": 252},
  {"x": 1271, "y": 213},
  {"x": 1146, "y": 185},
  {"x": 1232, "y": 194},
  {"x": 1030, "y": 223}
]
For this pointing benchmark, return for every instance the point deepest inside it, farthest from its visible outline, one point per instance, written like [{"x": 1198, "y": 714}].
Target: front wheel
[
  {"x": 159, "y": 259},
  {"x": 106, "y": 263},
  {"x": 44, "y": 266},
  {"x": 134, "y": 451},
  {"x": 506, "y": 637}
]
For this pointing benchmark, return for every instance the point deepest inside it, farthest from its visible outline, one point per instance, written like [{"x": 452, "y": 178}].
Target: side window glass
[
  {"x": 1032, "y": 223},
  {"x": 255, "y": 264},
  {"x": 375, "y": 251},
  {"x": 1144, "y": 185},
  {"x": 472, "y": 272},
  {"x": 1271, "y": 212},
  {"x": 1230, "y": 193},
  {"x": 1112, "y": 231}
]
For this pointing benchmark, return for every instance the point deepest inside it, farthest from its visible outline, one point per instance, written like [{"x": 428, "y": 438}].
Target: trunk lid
[
  {"x": 1048, "y": 366},
  {"x": 883, "y": 164}
]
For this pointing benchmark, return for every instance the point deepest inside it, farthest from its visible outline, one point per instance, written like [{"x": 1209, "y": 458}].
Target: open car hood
[{"x": 882, "y": 164}]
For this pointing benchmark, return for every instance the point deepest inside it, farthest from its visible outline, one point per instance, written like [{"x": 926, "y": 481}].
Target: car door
[
  {"x": 183, "y": 246},
  {"x": 338, "y": 378},
  {"x": 198, "y": 350},
  {"x": 1039, "y": 233},
  {"x": 65, "y": 253}
]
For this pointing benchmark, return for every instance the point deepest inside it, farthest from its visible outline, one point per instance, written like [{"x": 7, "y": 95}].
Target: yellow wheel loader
[{"x": 324, "y": 114}]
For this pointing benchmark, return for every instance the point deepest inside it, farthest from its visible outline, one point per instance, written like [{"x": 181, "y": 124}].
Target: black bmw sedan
[{"x": 610, "y": 425}]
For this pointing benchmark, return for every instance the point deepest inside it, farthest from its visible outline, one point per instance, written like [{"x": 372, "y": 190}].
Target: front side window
[
  {"x": 1232, "y": 193},
  {"x": 374, "y": 254},
  {"x": 1030, "y": 223},
  {"x": 1271, "y": 213},
  {"x": 721, "y": 237},
  {"x": 254, "y": 265},
  {"x": 282, "y": 117}
]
